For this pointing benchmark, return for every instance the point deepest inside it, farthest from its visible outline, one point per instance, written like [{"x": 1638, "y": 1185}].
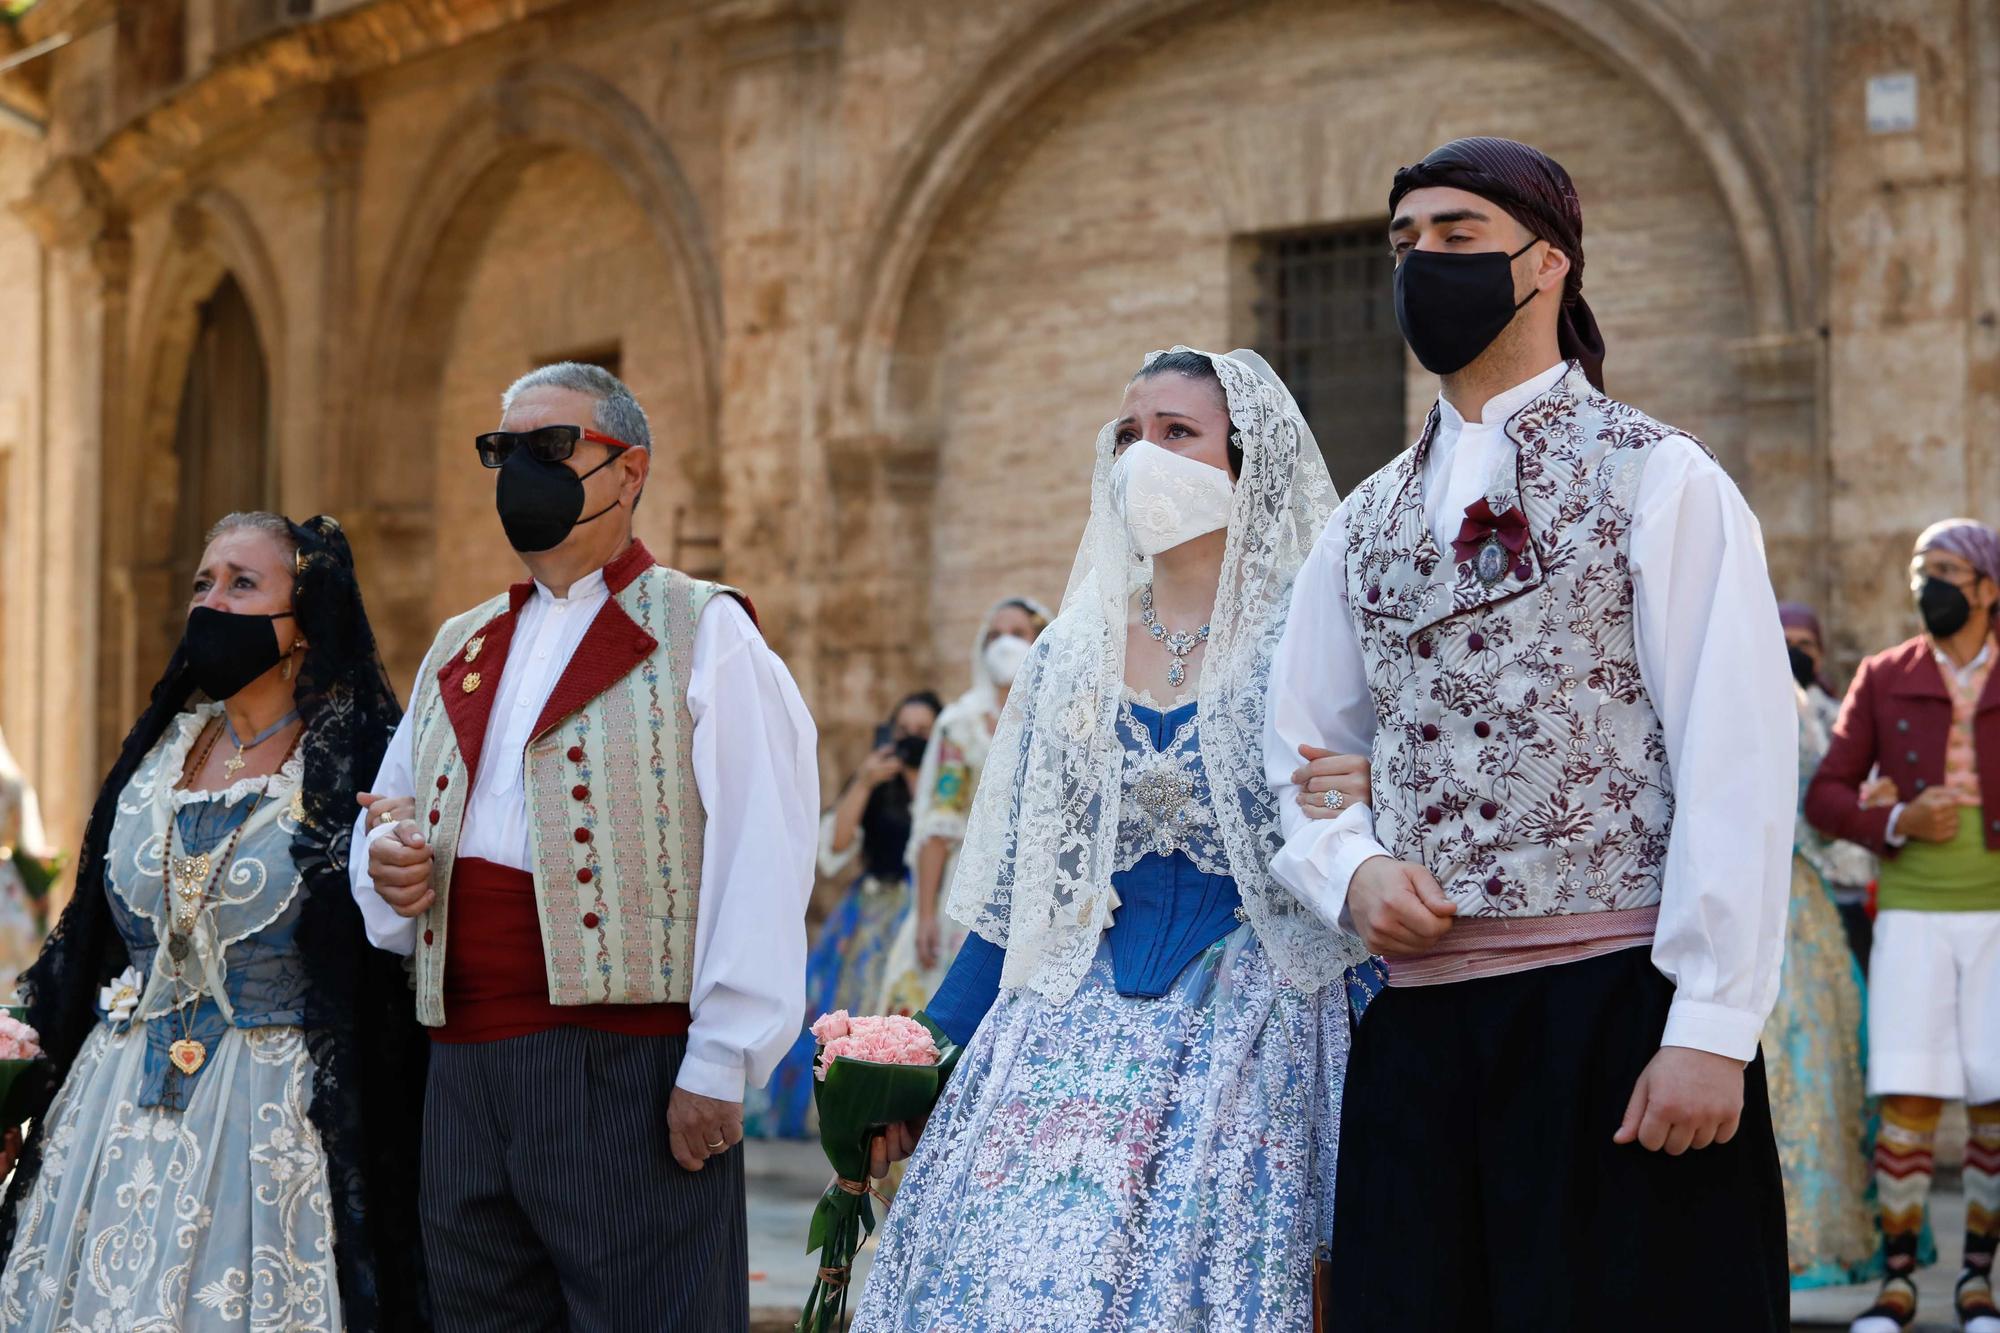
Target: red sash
[{"x": 495, "y": 978}]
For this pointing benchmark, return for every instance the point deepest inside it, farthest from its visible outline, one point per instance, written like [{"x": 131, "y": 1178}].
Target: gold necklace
[{"x": 189, "y": 879}]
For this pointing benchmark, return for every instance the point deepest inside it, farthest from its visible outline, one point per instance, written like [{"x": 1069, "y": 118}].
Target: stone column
[
  {"x": 779, "y": 66},
  {"x": 1786, "y": 458},
  {"x": 1899, "y": 228},
  {"x": 340, "y": 137},
  {"x": 77, "y": 672}
]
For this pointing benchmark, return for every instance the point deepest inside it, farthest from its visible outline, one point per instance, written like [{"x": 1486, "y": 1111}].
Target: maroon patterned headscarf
[{"x": 1537, "y": 193}]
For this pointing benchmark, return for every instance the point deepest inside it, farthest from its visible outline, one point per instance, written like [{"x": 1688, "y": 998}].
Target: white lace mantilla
[{"x": 1042, "y": 841}]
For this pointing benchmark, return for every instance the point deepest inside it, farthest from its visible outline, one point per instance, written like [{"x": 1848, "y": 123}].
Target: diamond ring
[{"x": 1333, "y": 800}]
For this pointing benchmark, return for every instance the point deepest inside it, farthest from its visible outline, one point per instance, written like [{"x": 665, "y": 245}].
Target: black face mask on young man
[
  {"x": 225, "y": 652},
  {"x": 539, "y": 502},
  {"x": 1944, "y": 607},
  {"x": 1451, "y": 307}
]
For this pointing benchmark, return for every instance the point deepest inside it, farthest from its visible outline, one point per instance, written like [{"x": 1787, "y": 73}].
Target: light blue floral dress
[
  {"x": 170, "y": 1201},
  {"x": 1157, "y": 1152}
]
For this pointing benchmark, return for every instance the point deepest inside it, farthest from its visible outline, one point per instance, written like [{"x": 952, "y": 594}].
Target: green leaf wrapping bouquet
[{"x": 871, "y": 1073}]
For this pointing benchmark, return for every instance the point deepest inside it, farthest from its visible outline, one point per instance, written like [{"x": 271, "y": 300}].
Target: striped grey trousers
[{"x": 552, "y": 1201}]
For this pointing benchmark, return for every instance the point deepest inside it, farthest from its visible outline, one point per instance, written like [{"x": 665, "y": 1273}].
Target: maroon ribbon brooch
[{"x": 1491, "y": 542}]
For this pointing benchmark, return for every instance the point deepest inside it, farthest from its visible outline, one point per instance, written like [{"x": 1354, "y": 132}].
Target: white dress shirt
[
  {"x": 755, "y": 767},
  {"x": 1713, "y": 661}
]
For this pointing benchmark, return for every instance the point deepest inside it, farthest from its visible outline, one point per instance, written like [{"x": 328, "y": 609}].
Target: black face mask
[
  {"x": 1944, "y": 607},
  {"x": 910, "y": 750},
  {"x": 226, "y": 652},
  {"x": 539, "y": 502},
  {"x": 1803, "y": 670},
  {"x": 1451, "y": 307}
]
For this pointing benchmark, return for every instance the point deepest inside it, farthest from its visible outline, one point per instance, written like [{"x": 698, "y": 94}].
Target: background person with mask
[
  {"x": 1551, "y": 623},
  {"x": 1846, "y": 867},
  {"x": 609, "y": 799},
  {"x": 869, "y": 825},
  {"x": 927, "y": 942},
  {"x": 1927, "y": 715}
]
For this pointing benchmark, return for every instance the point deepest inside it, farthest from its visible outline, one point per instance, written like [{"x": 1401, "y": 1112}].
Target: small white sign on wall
[{"x": 1892, "y": 103}]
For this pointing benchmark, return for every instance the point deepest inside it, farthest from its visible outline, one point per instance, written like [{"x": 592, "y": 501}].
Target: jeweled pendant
[
  {"x": 177, "y": 947},
  {"x": 187, "y": 1054},
  {"x": 1490, "y": 564},
  {"x": 1177, "y": 674}
]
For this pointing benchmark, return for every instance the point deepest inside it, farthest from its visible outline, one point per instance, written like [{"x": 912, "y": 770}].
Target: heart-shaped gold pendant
[{"x": 187, "y": 1054}]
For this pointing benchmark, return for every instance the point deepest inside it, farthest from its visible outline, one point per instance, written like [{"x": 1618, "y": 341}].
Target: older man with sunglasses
[{"x": 594, "y": 833}]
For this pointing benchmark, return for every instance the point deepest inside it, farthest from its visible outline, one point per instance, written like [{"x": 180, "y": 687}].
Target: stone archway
[
  {"x": 210, "y": 307},
  {"x": 1261, "y": 163},
  {"x": 534, "y": 115},
  {"x": 966, "y": 131}
]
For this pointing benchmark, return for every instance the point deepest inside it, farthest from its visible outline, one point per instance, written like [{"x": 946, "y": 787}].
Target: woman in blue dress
[
  {"x": 1141, "y": 1131},
  {"x": 228, "y": 1136},
  {"x": 869, "y": 824}
]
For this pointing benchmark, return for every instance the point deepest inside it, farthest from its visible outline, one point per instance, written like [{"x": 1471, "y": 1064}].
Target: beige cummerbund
[{"x": 1494, "y": 946}]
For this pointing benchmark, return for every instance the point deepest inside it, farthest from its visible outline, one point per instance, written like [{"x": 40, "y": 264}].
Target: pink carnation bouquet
[
  {"x": 872, "y": 1072},
  {"x": 20, "y": 1048}
]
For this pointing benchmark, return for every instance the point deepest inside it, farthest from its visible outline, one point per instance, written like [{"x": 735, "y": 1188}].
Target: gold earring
[{"x": 287, "y": 672}]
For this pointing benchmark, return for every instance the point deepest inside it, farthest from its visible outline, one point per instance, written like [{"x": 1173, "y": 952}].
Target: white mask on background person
[
  {"x": 1168, "y": 499},
  {"x": 1004, "y": 656}
]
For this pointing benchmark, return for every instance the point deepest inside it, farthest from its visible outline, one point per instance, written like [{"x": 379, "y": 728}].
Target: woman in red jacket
[{"x": 1926, "y": 715}]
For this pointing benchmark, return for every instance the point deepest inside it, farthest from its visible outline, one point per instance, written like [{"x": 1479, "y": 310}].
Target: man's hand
[
  {"x": 1398, "y": 907},
  {"x": 1325, "y": 771},
  {"x": 892, "y": 1145},
  {"x": 1684, "y": 1099},
  {"x": 701, "y": 1127},
  {"x": 400, "y": 865},
  {"x": 929, "y": 947},
  {"x": 1932, "y": 817}
]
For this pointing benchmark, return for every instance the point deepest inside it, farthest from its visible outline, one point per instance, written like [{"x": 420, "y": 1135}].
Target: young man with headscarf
[
  {"x": 1550, "y": 623},
  {"x": 609, "y": 811},
  {"x": 1926, "y": 715}
]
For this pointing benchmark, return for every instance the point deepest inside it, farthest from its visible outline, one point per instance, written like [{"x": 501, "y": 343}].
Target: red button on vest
[
  {"x": 443, "y": 782},
  {"x": 590, "y": 921},
  {"x": 579, "y": 792},
  {"x": 583, "y": 876},
  {"x": 583, "y": 835},
  {"x": 429, "y": 938},
  {"x": 576, "y": 754},
  {"x": 434, "y": 816}
]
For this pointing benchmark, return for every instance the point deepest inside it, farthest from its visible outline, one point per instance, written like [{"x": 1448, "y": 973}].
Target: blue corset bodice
[
  {"x": 1175, "y": 894},
  {"x": 242, "y": 967}
]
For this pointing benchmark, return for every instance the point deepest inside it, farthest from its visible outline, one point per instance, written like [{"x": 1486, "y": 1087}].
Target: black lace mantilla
[{"x": 368, "y": 1052}]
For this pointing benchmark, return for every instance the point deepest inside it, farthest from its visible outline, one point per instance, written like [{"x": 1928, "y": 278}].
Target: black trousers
[
  {"x": 552, "y": 1201},
  {"x": 1479, "y": 1190}
]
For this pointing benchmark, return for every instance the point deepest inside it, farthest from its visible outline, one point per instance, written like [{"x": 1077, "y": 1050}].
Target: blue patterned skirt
[{"x": 1125, "y": 1163}]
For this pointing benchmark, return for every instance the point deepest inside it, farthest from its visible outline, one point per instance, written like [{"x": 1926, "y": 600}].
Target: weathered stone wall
[{"x": 879, "y": 269}]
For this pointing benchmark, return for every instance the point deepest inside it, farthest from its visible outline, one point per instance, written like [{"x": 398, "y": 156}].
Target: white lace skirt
[
  {"x": 1116, "y": 1163},
  {"x": 160, "y": 1221}
]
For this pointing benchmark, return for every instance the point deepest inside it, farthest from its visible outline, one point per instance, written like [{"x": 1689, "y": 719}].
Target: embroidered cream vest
[
  {"x": 615, "y": 821},
  {"x": 1518, "y": 756}
]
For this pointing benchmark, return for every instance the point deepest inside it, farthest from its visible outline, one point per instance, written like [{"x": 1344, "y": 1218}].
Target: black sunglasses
[{"x": 549, "y": 444}]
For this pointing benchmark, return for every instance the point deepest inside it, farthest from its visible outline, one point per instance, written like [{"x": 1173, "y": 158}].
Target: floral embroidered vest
[
  {"x": 615, "y": 822},
  {"x": 1518, "y": 756}
]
